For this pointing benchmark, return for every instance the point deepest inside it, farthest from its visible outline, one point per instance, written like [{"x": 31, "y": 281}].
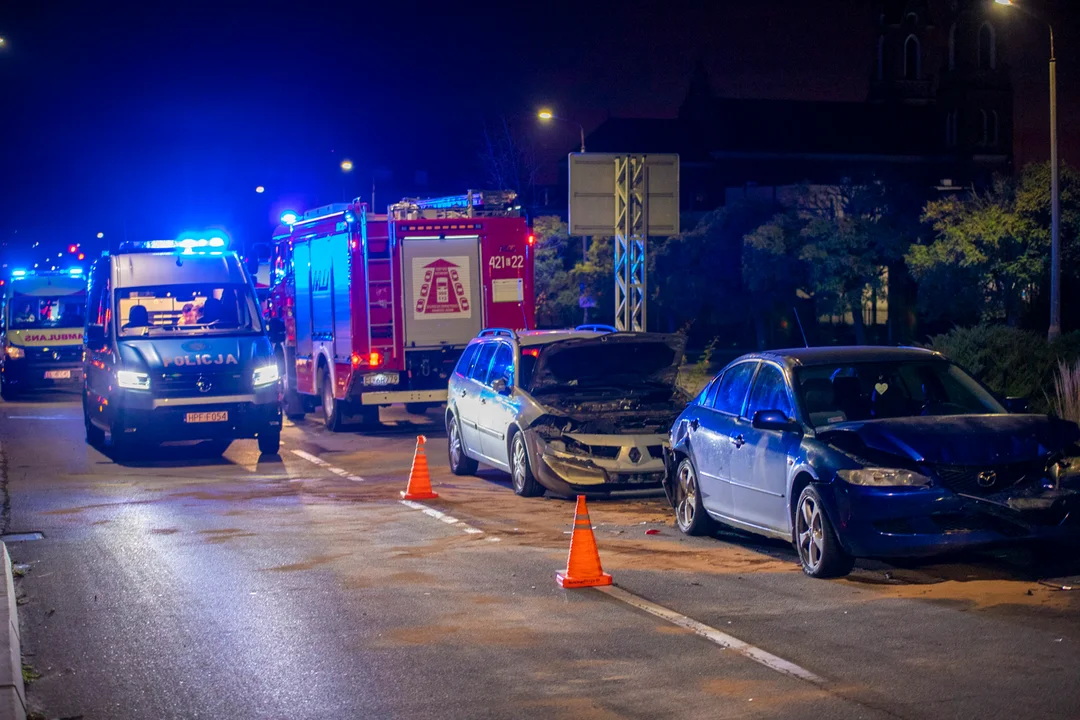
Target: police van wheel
[
  {"x": 270, "y": 442},
  {"x": 94, "y": 435}
]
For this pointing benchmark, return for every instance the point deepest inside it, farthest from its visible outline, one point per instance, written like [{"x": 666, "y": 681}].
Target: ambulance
[
  {"x": 176, "y": 349},
  {"x": 41, "y": 326}
]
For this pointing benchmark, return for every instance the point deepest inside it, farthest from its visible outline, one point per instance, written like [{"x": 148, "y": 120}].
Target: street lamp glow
[
  {"x": 1003, "y": 2},
  {"x": 545, "y": 115},
  {"x": 100, "y": 235},
  {"x": 260, "y": 189},
  {"x": 289, "y": 217},
  {"x": 346, "y": 165}
]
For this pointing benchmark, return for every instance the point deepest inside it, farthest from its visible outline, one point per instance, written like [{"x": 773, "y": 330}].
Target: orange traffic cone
[
  {"x": 419, "y": 478},
  {"x": 583, "y": 566}
]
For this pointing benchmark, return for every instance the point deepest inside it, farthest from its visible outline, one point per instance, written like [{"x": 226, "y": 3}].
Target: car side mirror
[
  {"x": 774, "y": 420},
  {"x": 501, "y": 386},
  {"x": 276, "y": 330},
  {"x": 1016, "y": 404},
  {"x": 252, "y": 262}
]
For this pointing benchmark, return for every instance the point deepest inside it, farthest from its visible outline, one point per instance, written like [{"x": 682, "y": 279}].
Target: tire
[
  {"x": 6, "y": 391},
  {"x": 95, "y": 436},
  {"x": 292, "y": 403},
  {"x": 460, "y": 462},
  {"x": 820, "y": 553},
  {"x": 416, "y": 408},
  {"x": 690, "y": 514},
  {"x": 270, "y": 441},
  {"x": 368, "y": 416},
  {"x": 332, "y": 409},
  {"x": 521, "y": 474}
]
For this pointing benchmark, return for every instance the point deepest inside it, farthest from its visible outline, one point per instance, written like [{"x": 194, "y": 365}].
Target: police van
[
  {"x": 41, "y": 325},
  {"x": 176, "y": 349}
]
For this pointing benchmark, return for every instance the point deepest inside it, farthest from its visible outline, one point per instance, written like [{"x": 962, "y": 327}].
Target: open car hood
[
  {"x": 628, "y": 360},
  {"x": 968, "y": 440}
]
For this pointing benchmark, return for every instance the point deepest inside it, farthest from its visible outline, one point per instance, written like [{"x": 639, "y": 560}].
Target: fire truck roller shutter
[{"x": 442, "y": 290}]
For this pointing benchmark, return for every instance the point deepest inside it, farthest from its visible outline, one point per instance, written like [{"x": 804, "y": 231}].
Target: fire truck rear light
[
  {"x": 355, "y": 359},
  {"x": 375, "y": 359},
  {"x": 532, "y": 239},
  {"x": 533, "y": 352}
]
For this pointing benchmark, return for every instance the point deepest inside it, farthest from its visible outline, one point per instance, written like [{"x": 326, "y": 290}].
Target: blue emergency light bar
[
  {"x": 186, "y": 244},
  {"x": 18, "y": 273}
]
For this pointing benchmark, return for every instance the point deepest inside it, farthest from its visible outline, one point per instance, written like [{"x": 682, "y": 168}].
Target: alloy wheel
[
  {"x": 808, "y": 527},
  {"x": 686, "y": 496}
]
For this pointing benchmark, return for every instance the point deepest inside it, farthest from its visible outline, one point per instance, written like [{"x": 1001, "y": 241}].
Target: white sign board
[{"x": 592, "y": 193}]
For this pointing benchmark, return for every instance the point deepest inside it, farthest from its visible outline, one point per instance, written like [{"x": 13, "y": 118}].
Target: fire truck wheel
[
  {"x": 293, "y": 405},
  {"x": 332, "y": 409},
  {"x": 417, "y": 408},
  {"x": 270, "y": 441}
]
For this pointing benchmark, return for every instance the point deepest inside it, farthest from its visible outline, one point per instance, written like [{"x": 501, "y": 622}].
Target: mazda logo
[
  {"x": 203, "y": 384},
  {"x": 987, "y": 478}
]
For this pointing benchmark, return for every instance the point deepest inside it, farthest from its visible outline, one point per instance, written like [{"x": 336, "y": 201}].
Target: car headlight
[
  {"x": 15, "y": 352},
  {"x": 883, "y": 477},
  {"x": 132, "y": 380},
  {"x": 266, "y": 375}
]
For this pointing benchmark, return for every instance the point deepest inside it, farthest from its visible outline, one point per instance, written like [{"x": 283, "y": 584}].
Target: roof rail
[
  {"x": 596, "y": 328},
  {"x": 498, "y": 332}
]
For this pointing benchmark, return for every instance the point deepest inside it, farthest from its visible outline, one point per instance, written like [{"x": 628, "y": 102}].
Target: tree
[
  {"x": 556, "y": 291},
  {"x": 508, "y": 162},
  {"x": 990, "y": 251},
  {"x": 772, "y": 270}
]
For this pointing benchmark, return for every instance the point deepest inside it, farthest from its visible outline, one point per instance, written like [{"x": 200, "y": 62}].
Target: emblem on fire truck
[{"x": 441, "y": 287}]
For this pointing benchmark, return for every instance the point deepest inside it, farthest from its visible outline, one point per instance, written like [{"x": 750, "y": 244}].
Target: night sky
[{"x": 152, "y": 118}]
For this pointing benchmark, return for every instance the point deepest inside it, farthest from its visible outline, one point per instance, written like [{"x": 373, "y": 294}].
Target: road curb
[{"x": 12, "y": 691}]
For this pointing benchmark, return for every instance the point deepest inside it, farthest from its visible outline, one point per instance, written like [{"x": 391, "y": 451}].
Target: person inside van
[
  {"x": 138, "y": 317},
  {"x": 190, "y": 315}
]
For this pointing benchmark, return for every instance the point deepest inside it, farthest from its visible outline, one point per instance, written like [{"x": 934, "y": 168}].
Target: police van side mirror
[
  {"x": 95, "y": 334},
  {"x": 252, "y": 262}
]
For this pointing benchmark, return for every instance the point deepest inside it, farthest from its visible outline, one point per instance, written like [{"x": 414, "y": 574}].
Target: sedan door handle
[
  {"x": 464, "y": 393},
  {"x": 738, "y": 441},
  {"x": 694, "y": 424}
]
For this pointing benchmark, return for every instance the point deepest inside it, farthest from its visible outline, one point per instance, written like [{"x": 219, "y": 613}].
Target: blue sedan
[{"x": 868, "y": 451}]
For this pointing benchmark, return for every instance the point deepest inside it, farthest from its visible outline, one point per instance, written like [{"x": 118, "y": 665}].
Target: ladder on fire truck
[
  {"x": 380, "y": 292},
  {"x": 473, "y": 204}
]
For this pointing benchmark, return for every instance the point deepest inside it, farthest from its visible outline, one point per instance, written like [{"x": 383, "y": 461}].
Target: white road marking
[
  {"x": 323, "y": 464},
  {"x": 711, "y": 634},
  {"x": 43, "y": 417},
  {"x": 448, "y": 519}
]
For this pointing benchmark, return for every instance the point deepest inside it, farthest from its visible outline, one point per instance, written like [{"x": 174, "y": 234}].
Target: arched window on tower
[
  {"x": 952, "y": 47},
  {"x": 995, "y": 129},
  {"x": 912, "y": 59},
  {"x": 881, "y": 58},
  {"x": 950, "y": 128},
  {"x": 987, "y": 47},
  {"x": 984, "y": 139}
]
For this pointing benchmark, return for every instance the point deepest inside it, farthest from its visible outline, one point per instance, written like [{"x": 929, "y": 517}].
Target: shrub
[
  {"x": 1066, "y": 401},
  {"x": 1012, "y": 362}
]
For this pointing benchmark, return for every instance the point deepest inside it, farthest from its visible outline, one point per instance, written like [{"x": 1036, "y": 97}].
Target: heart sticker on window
[{"x": 881, "y": 388}]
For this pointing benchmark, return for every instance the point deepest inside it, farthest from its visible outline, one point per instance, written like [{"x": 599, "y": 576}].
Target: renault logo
[
  {"x": 635, "y": 455},
  {"x": 987, "y": 478},
  {"x": 203, "y": 384}
]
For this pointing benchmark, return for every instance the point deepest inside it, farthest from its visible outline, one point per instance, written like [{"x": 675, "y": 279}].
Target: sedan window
[
  {"x": 770, "y": 392},
  {"x": 503, "y": 364},
  {"x": 479, "y": 370},
  {"x": 465, "y": 362},
  {"x": 731, "y": 390}
]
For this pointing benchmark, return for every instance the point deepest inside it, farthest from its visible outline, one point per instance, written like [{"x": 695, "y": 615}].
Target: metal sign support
[{"x": 631, "y": 223}]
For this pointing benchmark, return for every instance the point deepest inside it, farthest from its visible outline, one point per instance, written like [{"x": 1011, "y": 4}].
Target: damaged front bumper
[
  {"x": 563, "y": 466},
  {"x": 893, "y": 522}
]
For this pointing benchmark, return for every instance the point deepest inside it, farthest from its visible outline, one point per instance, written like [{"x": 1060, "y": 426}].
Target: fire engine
[{"x": 369, "y": 310}]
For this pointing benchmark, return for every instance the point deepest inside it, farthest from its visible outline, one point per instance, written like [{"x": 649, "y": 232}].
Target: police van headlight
[
  {"x": 15, "y": 352},
  {"x": 132, "y": 380},
  {"x": 266, "y": 375}
]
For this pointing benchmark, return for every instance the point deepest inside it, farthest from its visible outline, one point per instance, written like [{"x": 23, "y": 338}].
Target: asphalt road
[{"x": 183, "y": 585}]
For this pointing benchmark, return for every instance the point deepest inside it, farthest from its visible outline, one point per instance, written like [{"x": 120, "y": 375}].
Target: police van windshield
[
  {"x": 30, "y": 312},
  {"x": 188, "y": 309}
]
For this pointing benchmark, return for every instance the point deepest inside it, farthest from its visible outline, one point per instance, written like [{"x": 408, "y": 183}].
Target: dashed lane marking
[
  {"x": 448, "y": 519},
  {"x": 323, "y": 464},
  {"x": 713, "y": 635}
]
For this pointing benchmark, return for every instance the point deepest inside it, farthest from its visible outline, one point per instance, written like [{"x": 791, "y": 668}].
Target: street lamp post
[
  {"x": 546, "y": 114},
  {"x": 1055, "y": 192}
]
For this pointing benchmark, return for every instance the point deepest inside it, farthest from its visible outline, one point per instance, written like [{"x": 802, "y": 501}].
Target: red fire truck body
[{"x": 377, "y": 309}]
